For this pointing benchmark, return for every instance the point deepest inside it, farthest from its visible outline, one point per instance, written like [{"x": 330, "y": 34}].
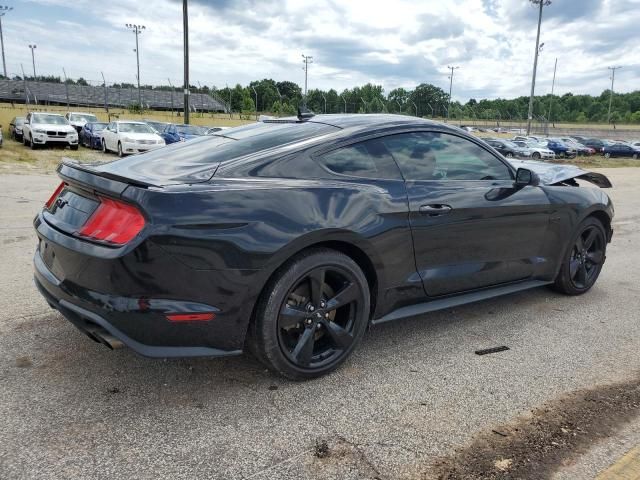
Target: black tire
[
  {"x": 104, "y": 146},
  {"x": 120, "y": 153},
  {"x": 24, "y": 140},
  {"x": 584, "y": 258},
  {"x": 509, "y": 155},
  {"x": 536, "y": 155},
  {"x": 298, "y": 339},
  {"x": 31, "y": 144},
  {"x": 74, "y": 147}
]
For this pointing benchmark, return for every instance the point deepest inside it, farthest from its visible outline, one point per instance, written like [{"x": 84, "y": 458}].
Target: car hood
[
  {"x": 553, "y": 173},
  {"x": 53, "y": 126}
]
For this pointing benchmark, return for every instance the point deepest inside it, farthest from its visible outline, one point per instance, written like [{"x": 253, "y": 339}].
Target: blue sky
[{"x": 393, "y": 43}]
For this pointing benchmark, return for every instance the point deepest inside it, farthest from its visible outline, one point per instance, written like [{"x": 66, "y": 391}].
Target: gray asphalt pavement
[{"x": 414, "y": 390}]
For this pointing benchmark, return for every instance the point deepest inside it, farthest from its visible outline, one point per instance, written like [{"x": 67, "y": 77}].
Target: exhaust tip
[{"x": 104, "y": 337}]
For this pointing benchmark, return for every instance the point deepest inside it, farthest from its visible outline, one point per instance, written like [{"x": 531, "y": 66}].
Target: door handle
[{"x": 435, "y": 210}]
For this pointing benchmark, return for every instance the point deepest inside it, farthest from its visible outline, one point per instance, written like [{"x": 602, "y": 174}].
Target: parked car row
[
  {"x": 122, "y": 136},
  {"x": 570, "y": 146}
]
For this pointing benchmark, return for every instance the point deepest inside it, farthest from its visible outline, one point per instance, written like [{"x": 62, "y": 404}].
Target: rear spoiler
[{"x": 74, "y": 172}]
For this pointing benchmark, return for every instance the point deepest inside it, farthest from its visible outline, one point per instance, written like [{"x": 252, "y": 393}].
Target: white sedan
[{"x": 129, "y": 137}]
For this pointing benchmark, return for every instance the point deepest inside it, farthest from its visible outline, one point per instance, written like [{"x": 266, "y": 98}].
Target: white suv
[
  {"x": 130, "y": 137},
  {"x": 48, "y": 128}
]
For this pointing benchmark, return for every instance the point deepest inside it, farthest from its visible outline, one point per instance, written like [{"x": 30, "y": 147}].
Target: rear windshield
[
  {"x": 191, "y": 130},
  {"x": 204, "y": 153},
  {"x": 82, "y": 117}
]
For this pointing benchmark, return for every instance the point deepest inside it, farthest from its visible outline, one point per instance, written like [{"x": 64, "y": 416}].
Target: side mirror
[{"x": 525, "y": 177}]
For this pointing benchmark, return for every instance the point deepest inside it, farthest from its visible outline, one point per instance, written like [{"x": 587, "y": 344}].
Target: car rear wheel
[
  {"x": 584, "y": 259},
  {"x": 311, "y": 316}
]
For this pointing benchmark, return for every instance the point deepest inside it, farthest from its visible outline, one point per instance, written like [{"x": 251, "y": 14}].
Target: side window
[
  {"x": 441, "y": 156},
  {"x": 368, "y": 159}
]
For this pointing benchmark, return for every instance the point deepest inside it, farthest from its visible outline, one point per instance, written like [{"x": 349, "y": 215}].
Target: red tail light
[
  {"x": 53, "y": 197},
  {"x": 191, "y": 317},
  {"x": 114, "y": 222}
]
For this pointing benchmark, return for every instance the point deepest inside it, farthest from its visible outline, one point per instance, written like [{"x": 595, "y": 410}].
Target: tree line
[{"x": 425, "y": 100}]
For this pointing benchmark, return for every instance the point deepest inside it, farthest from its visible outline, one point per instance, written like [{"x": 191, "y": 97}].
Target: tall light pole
[
  {"x": 541, "y": 3},
  {"x": 345, "y": 103},
  {"x": 450, "y": 87},
  {"x": 325, "y": 103},
  {"x": 137, "y": 29},
  {"x": 307, "y": 60},
  {"x": 33, "y": 59},
  {"x": 553, "y": 84},
  {"x": 185, "y": 31},
  {"x": 613, "y": 78},
  {"x": 3, "y": 11},
  {"x": 256, "y": 93}
]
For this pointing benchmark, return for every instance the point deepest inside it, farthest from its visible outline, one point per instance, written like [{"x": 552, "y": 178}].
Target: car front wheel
[
  {"x": 536, "y": 155},
  {"x": 104, "y": 147},
  {"x": 120, "y": 154},
  {"x": 311, "y": 316},
  {"x": 584, "y": 259}
]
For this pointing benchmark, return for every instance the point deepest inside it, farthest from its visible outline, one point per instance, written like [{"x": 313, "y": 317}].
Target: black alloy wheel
[
  {"x": 315, "y": 315},
  {"x": 585, "y": 259}
]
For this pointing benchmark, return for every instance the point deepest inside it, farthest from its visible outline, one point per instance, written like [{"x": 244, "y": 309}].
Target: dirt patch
[{"x": 534, "y": 446}]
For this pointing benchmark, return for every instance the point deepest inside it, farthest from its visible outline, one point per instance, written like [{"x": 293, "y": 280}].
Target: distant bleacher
[{"x": 44, "y": 93}]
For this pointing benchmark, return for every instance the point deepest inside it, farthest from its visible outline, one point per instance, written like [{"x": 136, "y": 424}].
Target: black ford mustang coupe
[{"x": 288, "y": 238}]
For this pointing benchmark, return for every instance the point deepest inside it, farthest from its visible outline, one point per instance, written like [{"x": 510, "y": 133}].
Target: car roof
[
  {"x": 81, "y": 113},
  {"x": 46, "y": 113},
  {"x": 130, "y": 121}
]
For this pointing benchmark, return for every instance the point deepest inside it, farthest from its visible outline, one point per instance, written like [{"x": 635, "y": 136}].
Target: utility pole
[
  {"x": 171, "y": 96},
  {"x": 106, "y": 96},
  {"x": 137, "y": 29},
  {"x": 24, "y": 84},
  {"x": 66, "y": 86},
  {"x": 33, "y": 59},
  {"x": 364, "y": 103},
  {"x": 450, "y": 87},
  {"x": 185, "y": 28},
  {"x": 230, "y": 114},
  {"x": 345, "y": 103},
  {"x": 307, "y": 60},
  {"x": 553, "y": 84},
  {"x": 256, "y": 93},
  {"x": 3, "y": 11},
  {"x": 541, "y": 3},
  {"x": 414, "y": 104},
  {"x": 613, "y": 78},
  {"x": 325, "y": 103}
]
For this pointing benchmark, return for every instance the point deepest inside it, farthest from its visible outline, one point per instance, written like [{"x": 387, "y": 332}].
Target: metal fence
[{"x": 49, "y": 93}]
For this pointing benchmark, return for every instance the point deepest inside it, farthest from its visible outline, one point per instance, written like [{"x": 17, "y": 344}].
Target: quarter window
[
  {"x": 441, "y": 156},
  {"x": 366, "y": 159}
]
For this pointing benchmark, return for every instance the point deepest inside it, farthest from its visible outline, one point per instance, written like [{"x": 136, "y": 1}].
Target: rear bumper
[{"x": 138, "y": 323}]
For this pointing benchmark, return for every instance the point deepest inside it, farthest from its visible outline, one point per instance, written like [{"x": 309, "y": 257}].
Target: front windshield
[
  {"x": 510, "y": 144},
  {"x": 96, "y": 127},
  {"x": 20, "y": 121},
  {"x": 83, "y": 117},
  {"x": 136, "y": 128},
  {"x": 190, "y": 130},
  {"x": 49, "y": 119},
  {"x": 157, "y": 126}
]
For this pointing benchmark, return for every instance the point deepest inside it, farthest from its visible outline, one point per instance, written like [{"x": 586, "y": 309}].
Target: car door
[
  {"x": 109, "y": 135},
  {"x": 471, "y": 226}
]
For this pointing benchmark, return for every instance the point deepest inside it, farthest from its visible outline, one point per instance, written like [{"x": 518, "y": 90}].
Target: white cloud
[{"x": 399, "y": 43}]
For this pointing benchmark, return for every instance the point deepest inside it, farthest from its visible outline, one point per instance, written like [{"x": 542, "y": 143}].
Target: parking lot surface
[{"x": 413, "y": 391}]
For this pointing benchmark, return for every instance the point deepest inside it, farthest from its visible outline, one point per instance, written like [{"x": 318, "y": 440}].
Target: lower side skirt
[{"x": 462, "y": 299}]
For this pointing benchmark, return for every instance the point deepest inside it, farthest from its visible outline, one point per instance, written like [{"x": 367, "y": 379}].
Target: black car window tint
[
  {"x": 441, "y": 156},
  {"x": 366, "y": 159}
]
